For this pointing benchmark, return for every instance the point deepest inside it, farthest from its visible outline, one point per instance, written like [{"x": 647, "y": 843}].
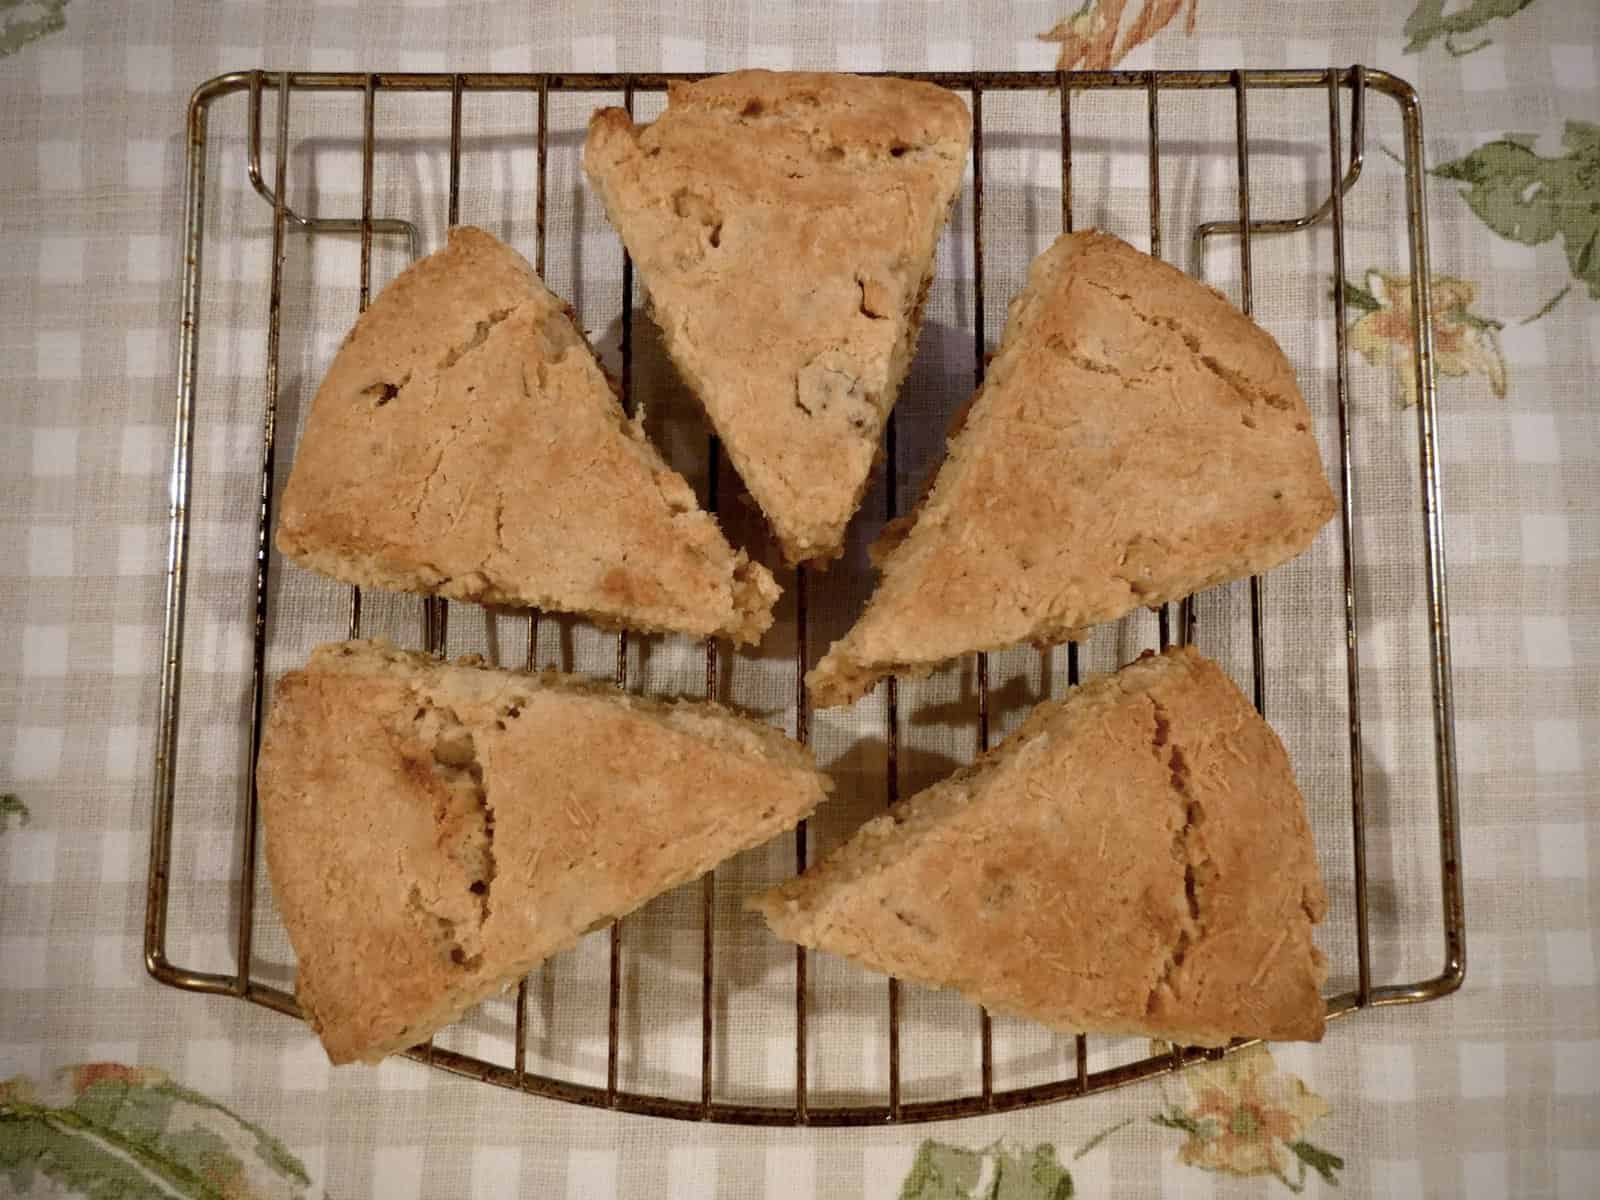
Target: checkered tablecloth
[{"x": 1492, "y": 1092}]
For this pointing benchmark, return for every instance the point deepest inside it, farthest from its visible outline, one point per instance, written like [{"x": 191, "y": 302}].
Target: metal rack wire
[{"x": 1357, "y": 82}]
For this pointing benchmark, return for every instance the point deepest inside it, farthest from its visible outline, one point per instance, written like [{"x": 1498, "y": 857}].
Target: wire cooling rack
[{"x": 1353, "y": 87}]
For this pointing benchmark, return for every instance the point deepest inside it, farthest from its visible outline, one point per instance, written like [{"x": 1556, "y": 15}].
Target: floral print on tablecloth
[
  {"x": 1089, "y": 37},
  {"x": 24, "y": 21},
  {"x": 1245, "y": 1117},
  {"x": 1532, "y": 198},
  {"x": 1429, "y": 20},
  {"x": 1523, "y": 196},
  {"x": 996, "y": 1172},
  {"x": 12, "y": 806},
  {"x": 1240, "y": 1116},
  {"x": 1464, "y": 342},
  {"x": 103, "y": 1130}
]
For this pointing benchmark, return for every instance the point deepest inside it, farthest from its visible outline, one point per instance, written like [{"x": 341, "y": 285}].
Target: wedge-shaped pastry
[
  {"x": 1135, "y": 859},
  {"x": 784, "y": 228},
  {"x": 434, "y": 831},
  {"x": 1136, "y": 439},
  {"x": 466, "y": 443}
]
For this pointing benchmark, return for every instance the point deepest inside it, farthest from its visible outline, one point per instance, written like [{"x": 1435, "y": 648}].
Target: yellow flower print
[
  {"x": 1245, "y": 1118},
  {"x": 1463, "y": 341}
]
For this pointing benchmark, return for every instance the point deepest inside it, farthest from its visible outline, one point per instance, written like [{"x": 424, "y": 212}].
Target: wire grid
[{"x": 1357, "y": 81}]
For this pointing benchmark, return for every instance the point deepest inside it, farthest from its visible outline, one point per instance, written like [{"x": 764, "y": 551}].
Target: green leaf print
[
  {"x": 105, "y": 1130},
  {"x": 1358, "y": 298},
  {"x": 24, "y": 21},
  {"x": 1098, "y": 1139},
  {"x": 996, "y": 1172},
  {"x": 34, "y": 1149},
  {"x": 1038, "y": 1176},
  {"x": 942, "y": 1172},
  {"x": 1528, "y": 198},
  {"x": 1429, "y": 21},
  {"x": 1321, "y": 1161},
  {"x": 1178, "y": 1119},
  {"x": 12, "y": 806}
]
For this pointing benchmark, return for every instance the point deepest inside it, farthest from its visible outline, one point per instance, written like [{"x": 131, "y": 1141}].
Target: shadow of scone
[
  {"x": 1135, "y": 859},
  {"x": 434, "y": 831},
  {"x": 1136, "y": 439}
]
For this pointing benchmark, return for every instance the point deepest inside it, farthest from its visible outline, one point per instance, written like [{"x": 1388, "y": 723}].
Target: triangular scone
[
  {"x": 434, "y": 831},
  {"x": 1135, "y": 859},
  {"x": 1137, "y": 438},
  {"x": 466, "y": 443},
  {"x": 784, "y": 228}
]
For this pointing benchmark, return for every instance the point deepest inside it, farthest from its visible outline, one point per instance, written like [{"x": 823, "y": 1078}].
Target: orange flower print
[
  {"x": 1243, "y": 1117},
  {"x": 86, "y": 1075},
  {"x": 1089, "y": 36},
  {"x": 1464, "y": 343}
]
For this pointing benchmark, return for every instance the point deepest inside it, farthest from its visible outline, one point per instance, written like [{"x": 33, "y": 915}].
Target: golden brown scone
[
  {"x": 466, "y": 443},
  {"x": 784, "y": 227},
  {"x": 1136, "y": 439},
  {"x": 434, "y": 831},
  {"x": 1135, "y": 859}
]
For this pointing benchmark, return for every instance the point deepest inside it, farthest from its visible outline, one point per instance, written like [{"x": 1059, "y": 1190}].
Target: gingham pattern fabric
[{"x": 1492, "y": 1092}]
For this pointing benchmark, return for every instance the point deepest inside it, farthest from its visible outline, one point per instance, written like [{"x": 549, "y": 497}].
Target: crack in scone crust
[
  {"x": 1246, "y": 389},
  {"x": 441, "y": 754},
  {"x": 1184, "y": 849}
]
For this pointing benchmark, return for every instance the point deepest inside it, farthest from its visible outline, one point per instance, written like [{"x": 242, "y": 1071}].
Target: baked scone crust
[
  {"x": 434, "y": 831},
  {"x": 1136, "y": 439},
  {"x": 1135, "y": 859},
  {"x": 784, "y": 227},
  {"x": 466, "y": 443}
]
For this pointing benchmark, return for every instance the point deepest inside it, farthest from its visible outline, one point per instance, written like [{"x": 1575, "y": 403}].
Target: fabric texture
[{"x": 1493, "y": 1091}]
